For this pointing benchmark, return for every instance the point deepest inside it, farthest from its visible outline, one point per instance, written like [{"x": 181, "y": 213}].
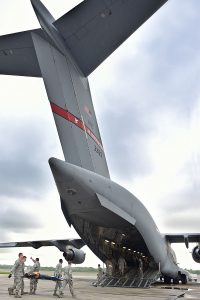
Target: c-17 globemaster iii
[{"x": 111, "y": 221}]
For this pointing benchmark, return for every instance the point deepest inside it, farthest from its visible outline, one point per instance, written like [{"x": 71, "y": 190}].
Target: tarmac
[{"x": 85, "y": 291}]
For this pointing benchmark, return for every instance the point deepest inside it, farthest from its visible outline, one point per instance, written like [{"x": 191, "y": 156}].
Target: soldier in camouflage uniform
[
  {"x": 99, "y": 273},
  {"x": 58, "y": 274},
  {"x": 67, "y": 279},
  {"x": 22, "y": 286},
  {"x": 18, "y": 272},
  {"x": 34, "y": 281},
  {"x": 13, "y": 287}
]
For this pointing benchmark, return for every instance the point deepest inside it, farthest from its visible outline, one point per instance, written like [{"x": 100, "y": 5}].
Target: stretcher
[{"x": 37, "y": 275}]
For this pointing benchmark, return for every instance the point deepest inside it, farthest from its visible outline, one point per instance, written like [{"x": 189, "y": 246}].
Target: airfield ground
[{"x": 85, "y": 291}]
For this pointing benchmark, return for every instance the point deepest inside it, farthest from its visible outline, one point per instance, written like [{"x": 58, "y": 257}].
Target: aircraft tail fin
[
  {"x": 70, "y": 99},
  {"x": 64, "y": 52}
]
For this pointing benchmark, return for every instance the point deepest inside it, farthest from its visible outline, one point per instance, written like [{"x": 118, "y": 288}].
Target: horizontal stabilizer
[
  {"x": 17, "y": 54},
  {"x": 90, "y": 32},
  {"x": 94, "y": 29},
  {"x": 60, "y": 244}
]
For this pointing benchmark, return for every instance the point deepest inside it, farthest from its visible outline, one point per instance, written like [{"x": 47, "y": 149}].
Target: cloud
[
  {"x": 184, "y": 200},
  {"x": 124, "y": 139},
  {"x": 23, "y": 159},
  {"x": 16, "y": 219},
  {"x": 182, "y": 221}
]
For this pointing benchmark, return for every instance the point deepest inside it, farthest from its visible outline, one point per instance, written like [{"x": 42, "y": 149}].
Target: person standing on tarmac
[
  {"x": 67, "y": 279},
  {"x": 99, "y": 273},
  {"x": 22, "y": 286},
  {"x": 18, "y": 272},
  {"x": 58, "y": 274},
  {"x": 34, "y": 281}
]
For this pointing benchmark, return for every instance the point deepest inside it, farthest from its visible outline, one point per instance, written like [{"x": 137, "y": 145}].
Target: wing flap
[
  {"x": 17, "y": 54},
  {"x": 94, "y": 29}
]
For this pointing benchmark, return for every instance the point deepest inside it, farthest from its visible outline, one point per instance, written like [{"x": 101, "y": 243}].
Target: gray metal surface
[
  {"x": 94, "y": 29},
  {"x": 17, "y": 55},
  {"x": 71, "y": 103},
  {"x": 85, "y": 204},
  {"x": 78, "y": 243}
]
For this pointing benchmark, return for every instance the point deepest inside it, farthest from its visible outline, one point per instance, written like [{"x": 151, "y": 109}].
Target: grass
[{"x": 5, "y": 269}]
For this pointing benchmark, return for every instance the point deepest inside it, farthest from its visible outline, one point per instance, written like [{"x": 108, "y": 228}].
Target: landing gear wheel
[
  {"x": 183, "y": 279},
  {"x": 175, "y": 281},
  {"x": 167, "y": 280}
]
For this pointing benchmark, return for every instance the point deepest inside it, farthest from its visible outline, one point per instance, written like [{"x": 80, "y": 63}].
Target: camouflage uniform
[
  {"x": 34, "y": 281},
  {"x": 58, "y": 274},
  {"x": 122, "y": 265},
  {"x": 109, "y": 267},
  {"x": 18, "y": 272},
  {"x": 99, "y": 274},
  {"x": 67, "y": 279},
  {"x": 141, "y": 267},
  {"x": 22, "y": 287}
]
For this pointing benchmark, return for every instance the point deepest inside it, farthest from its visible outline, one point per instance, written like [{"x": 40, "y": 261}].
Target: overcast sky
[{"x": 147, "y": 100}]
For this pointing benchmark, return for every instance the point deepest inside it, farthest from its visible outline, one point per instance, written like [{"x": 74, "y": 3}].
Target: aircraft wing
[
  {"x": 60, "y": 244},
  {"x": 94, "y": 29},
  {"x": 183, "y": 238},
  {"x": 17, "y": 54}
]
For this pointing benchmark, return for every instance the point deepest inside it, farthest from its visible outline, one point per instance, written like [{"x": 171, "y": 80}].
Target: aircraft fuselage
[{"x": 107, "y": 215}]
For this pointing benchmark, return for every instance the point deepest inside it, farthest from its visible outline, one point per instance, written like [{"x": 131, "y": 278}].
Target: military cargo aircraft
[{"x": 110, "y": 220}]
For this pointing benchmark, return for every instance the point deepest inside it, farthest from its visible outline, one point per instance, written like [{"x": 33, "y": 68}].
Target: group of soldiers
[
  {"x": 120, "y": 265},
  {"x": 18, "y": 271},
  {"x": 64, "y": 276}
]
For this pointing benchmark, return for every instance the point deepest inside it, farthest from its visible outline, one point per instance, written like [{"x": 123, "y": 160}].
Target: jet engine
[
  {"x": 74, "y": 255},
  {"x": 196, "y": 254}
]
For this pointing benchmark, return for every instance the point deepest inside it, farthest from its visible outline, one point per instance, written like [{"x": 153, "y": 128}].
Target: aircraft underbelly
[
  {"x": 98, "y": 215},
  {"x": 100, "y": 202},
  {"x": 101, "y": 239},
  {"x": 83, "y": 200}
]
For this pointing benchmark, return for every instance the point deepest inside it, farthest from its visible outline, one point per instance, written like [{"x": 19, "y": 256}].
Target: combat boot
[
  {"x": 73, "y": 295},
  {"x": 17, "y": 295},
  {"x": 10, "y": 291},
  {"x": 60, "y": 295},
  {"x": 55, "y": 294}
]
